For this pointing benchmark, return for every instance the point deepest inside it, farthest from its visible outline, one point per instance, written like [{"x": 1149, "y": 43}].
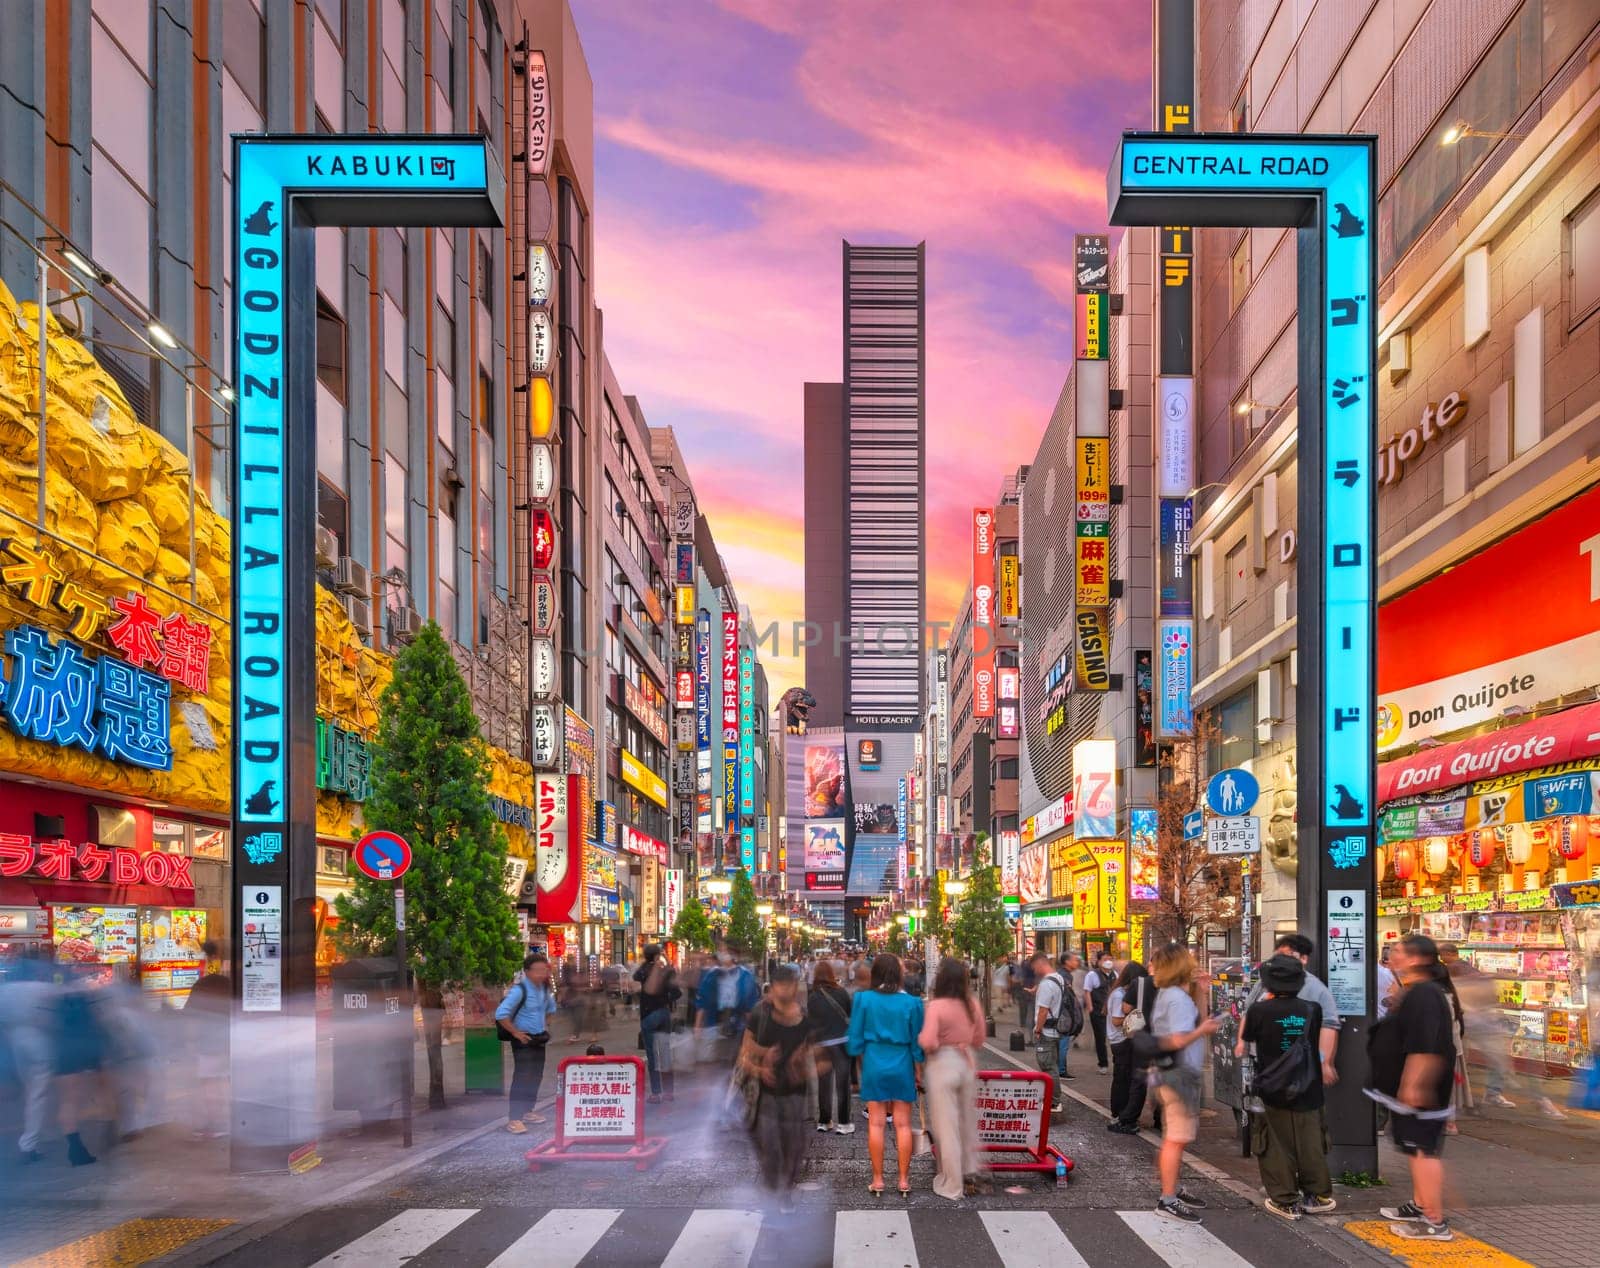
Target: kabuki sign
[{"x": 1322, "y": 187}]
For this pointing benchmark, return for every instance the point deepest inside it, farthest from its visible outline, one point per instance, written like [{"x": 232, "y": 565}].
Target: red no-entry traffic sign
[{"x": 384, "y": 856}]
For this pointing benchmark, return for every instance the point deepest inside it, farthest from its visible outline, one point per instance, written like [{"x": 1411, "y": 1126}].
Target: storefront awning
[{"x": 1567, "y": 736}]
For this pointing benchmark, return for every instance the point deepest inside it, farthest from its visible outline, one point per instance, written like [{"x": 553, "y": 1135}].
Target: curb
[{"x": 226, "y": 1241}]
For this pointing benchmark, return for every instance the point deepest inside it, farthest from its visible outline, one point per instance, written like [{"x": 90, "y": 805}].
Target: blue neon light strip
[
  {"x": 268, "y": 173},
  {"x": 1341, "y": 174}
]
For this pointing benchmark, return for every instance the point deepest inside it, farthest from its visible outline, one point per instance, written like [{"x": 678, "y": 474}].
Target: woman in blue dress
[{"x": 884, "y": 1023}]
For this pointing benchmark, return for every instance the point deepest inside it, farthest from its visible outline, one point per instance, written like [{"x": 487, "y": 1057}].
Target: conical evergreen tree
[
  {"x": 430, "y": 784},
  {"x": 980, "y": 931},
  {"x": 745, "y": 930},
  {"x": 692, "y": 928}
]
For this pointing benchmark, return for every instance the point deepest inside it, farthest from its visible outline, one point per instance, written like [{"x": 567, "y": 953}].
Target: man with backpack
[
  {"x": 1057, "y": 1016},
  {"x": 1287, "y": 1137}
]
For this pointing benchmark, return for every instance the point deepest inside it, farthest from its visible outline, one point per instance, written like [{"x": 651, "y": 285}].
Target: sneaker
[
  {"x": 1424, "y": 1231},
  {"x": 1124, "y": 1129},
  {"x": 1105, "y": 1069},
  {"x": 1189, "y": 1199},
  {"x": 846, "y": 1129},
  {"x": 1406, "y": 1211},
  {"x": 1058, "y": 1108},
  {"x": 1499, "y": 1101},
  {"x": 1549, "y": 1108},
  {"x": 822, "y": 1127},
  {"x": 1066, "y": 1075},
  {"x": 1176, "y": 1210},
  {"x": 1317, "y": 1206},
  {"x": 1283, "y": 1210}
]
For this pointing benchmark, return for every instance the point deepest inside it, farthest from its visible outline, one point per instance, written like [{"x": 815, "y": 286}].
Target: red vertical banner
[
  {"x": 558, "y": 847},
  {"x": 983, "y": 683}
]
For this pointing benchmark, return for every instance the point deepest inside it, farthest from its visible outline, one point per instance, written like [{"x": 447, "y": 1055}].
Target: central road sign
[
  {"x": 1323, "y": 188},
  {"x": 384, "y": 856}
]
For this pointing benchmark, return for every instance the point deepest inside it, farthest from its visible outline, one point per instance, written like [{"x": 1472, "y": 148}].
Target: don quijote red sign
[{"x": 60, "y": 860}]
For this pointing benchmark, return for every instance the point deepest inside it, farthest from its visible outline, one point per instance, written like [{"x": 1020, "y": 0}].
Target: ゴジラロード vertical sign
[
  {"x": 284, "y": 187},
  {"x": 1322, "y": 186}
]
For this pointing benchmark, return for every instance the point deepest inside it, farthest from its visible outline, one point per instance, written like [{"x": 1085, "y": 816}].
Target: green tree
[
  {"x": 980, "y": 932},
  {"x": 430, "y": 785},
  {"x": 692, "y": 928},
  {"x": 936, "y": 924},
  {"x": 897, "y": 941},
  {"x": 745, "y": 930}
]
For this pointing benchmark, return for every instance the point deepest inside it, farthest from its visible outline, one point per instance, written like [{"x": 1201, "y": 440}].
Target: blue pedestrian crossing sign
[
  {"x": 1232, "y": 792},
  {"x": 1194, "y": 825},
  {"x": 384, "y": 856}
]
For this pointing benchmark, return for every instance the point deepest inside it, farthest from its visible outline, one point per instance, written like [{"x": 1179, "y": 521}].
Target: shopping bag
[{"x": 921, "y": 1138}]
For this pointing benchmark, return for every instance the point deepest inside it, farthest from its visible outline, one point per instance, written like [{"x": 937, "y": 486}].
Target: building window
[
  {"x": 1237, "y": 582},
  {"x": 1583, "y": 238},
  {"x": 1239, "y": 116},
  {"x": 1239, "y": 273},
  {"x": 1235, "y": 742},
  {"x": 244, "y": 51},
  {"x": 330, "y": 350},
  {"x": 333, "y": 513},
  {"x": 1531, "y": 50}
]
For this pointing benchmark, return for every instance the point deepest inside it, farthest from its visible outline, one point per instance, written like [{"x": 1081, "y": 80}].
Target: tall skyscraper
[
  {"x": 885, "y": 538},
  {"x": 865, "y": 565}
]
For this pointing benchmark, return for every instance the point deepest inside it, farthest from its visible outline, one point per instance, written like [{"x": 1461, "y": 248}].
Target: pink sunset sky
[{"x": 738, "y": 141}]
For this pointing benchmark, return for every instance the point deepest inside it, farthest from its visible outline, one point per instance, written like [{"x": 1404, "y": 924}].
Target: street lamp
[{"x": 1460, "y": 130}]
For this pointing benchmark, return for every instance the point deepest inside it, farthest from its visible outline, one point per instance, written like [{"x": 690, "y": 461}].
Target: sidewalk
[
  {"x": 1526, "y": 1185},
  {"x": 165, "y": 1175}
]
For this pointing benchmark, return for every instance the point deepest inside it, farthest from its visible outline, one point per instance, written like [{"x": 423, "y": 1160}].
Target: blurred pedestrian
[
  {"x": 829, "y": 1011},
  {"x": 207, "y": 1016},
  {"x": 1412, "y": 1051},
  {"x": 1288, "y": 1135},
  {"x": 81, "y": 1053},
  {"x": 1128, "y": 1010},
  {"x": 728, "y": 992},
  {"x": 27, "y": 1027},
  {"x": 570, "y": 998},
  {"x": 952, "y": 1033},
  {"x": 1024, "y": 982},
  {"x": 1178, "y": 1054},
  {"x": 884, "y": 1024},
  {"x": 1057, "y": 1017},
  {"x": 658, "y": 991},
  {"x": 523, "y": 1021},
  {"x": 690, "y": 976},
  {"x": 777, "y": 1051},
  {"x": 1097, "y": 984}
]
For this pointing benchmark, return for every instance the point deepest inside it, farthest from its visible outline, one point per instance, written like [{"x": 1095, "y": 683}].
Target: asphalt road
[{"x": 701, "y": 1206}]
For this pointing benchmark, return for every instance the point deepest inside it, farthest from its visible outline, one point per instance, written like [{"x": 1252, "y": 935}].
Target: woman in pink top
[{"x": 952, "y": 1030}]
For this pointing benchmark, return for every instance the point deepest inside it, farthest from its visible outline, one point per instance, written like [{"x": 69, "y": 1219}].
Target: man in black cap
[{"x": 1287, "y": 1137}]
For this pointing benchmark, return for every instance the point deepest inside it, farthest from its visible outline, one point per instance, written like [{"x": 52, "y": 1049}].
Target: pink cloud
[{"x": 983, "y": 129}]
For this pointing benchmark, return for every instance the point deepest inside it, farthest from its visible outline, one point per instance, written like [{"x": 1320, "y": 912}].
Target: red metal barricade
[
  {"x": 599, "y": 1115},
  {"x": 1014, "y": 1118}
]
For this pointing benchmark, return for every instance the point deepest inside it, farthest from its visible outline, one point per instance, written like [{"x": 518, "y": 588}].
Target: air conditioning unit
[
  {"x": 404, "y": 624},
  {"x": 359, "y": 610},
  {"x": 327, "y": 548},
  {"x": 351, "y": 577}
]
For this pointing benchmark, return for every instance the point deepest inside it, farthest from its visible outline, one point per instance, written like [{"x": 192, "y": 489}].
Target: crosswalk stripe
[
  {"x": 560, "y": 1240},
  {"x": 874, "y": 1239},
  {"x": 408, "y": 1234},
  {"x": 1031, "y": 1239},
  {"x": 1181, "y": 1245},
  {"x": 715, "y": 1239}
]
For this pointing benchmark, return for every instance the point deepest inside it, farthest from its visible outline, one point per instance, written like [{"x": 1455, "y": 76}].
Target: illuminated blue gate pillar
[
  {"x": 1322, "y": 187},
  {"x": 284, "y": 187}
]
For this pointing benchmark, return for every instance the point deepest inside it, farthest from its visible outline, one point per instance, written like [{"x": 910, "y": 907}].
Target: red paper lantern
[
  {"x": 1574, "y": 837},
  {"x": 1480, "y": 850},
  {"x": 1405, "y": 861}
]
